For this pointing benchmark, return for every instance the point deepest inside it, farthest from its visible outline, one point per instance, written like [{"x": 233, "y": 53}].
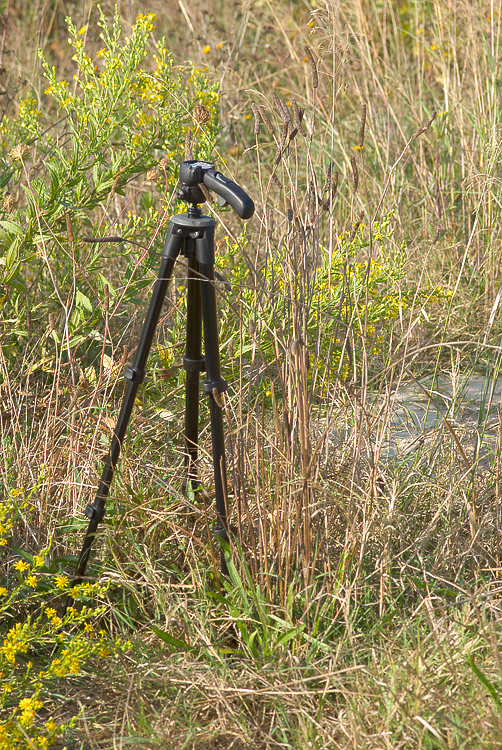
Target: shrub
[{"x": 67, "y": 169}]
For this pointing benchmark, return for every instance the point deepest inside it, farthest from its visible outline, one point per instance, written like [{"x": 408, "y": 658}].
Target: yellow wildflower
[{"x": 61, "y": 581}]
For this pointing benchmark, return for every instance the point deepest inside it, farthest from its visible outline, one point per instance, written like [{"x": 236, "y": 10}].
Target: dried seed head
[
  {"x": 9, "y": 203},
  {"x": 425, "y": 127},
  {"x": 285, "y": 131},
  {"x": 282, "y": 108},
  {"x": 265, "y": 120},
  {"x": 19, "y": 152},
  {"x": 355, "y": 173},
  {"x": 152, "y": 174},
  {"x": 201, "y": 114},
  {"x": 257, "y": 118},
  {"x": 334, "y": 187},
  {"x": 188, "y": 145},
  {"x": 313, "y": 65},
  {"x": 327, "y": 183},
  {"x": 293, "y": 132},
  {"x": 297, "y": 116},
  {"x": 362, "y": 126}
]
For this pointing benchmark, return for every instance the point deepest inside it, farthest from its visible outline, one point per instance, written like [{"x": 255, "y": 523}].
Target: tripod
[{"x": 190, "y": 235}]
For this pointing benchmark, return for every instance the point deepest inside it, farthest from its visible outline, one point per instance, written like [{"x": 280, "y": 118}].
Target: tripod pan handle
[{"x": 230, "y": 192}]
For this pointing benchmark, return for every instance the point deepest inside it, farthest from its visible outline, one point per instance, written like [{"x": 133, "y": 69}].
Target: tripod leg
[
  {"x": 193, "y": 363},
  {"x": 134, "y": 375},
  {"x": 214, "y": 386}
]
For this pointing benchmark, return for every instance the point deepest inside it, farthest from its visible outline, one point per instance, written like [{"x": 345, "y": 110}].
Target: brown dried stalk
[
  {"x": 334, "y": 187},
  {"x": 273, "y": 176},
  {"x": 355, "y": 173},
  {"x": 362, "y": 127},
  {"x": 424, "y": 127},
  {"x": 356, "y": 226}
]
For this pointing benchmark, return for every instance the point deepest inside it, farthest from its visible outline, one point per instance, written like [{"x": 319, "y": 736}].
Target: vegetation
[{"x": 362, "y": 605}]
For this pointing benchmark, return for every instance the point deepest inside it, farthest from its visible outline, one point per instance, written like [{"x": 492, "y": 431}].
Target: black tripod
[{"x": 191, "y": 235}]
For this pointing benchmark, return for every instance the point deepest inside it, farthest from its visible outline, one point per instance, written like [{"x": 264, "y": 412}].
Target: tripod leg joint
[
  {"x": 194, "y": 365},
  {"x": 134, "y": 375},
  {"x": 95, "y": 511},
  {"x": 219, "y": 385}
]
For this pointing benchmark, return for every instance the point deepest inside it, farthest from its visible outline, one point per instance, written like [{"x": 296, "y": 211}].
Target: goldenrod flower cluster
[{"x": 31, "y": 624}]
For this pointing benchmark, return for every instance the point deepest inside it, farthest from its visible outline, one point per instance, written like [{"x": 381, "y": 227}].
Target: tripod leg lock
[
  {"x": 194, "y": 365},
  {"x": 95, "y": 511},
  {"x": 133, "y": 375},
  {"x": 210, "y": 386}
]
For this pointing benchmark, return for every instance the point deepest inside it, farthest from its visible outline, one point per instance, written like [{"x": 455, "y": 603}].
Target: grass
[{"x": 363, "y": 604}]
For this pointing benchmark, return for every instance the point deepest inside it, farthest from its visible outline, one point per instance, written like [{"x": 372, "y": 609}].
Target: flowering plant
[{"x": 39, "y": 647}]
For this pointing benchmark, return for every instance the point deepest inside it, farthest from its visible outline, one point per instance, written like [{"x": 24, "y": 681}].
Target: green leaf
[
  {"x": 289, "y": 635},
  {"x": 11, "y": 226},
  {"x": 10, "y": 257},
  {"x": 486, "y": 682},
  {"x": 83, "y": 302},
  {"x": 176, "y": 643}
]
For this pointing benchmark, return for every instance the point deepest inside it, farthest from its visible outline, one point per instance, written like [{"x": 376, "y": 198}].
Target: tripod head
[{"x": 194, "y": 173}]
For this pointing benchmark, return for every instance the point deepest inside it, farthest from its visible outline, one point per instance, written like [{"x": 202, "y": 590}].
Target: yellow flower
[
  {"x": 206, "y": 49},
  {"x": 32, "y": 581},
  {"x": 21, "y": 565},
  {"x": 28, "y": 707},
  {"x": 82, "y": 30},
  {"x": 3, "y": 591},
  {"x": 61, "y": 581}
]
